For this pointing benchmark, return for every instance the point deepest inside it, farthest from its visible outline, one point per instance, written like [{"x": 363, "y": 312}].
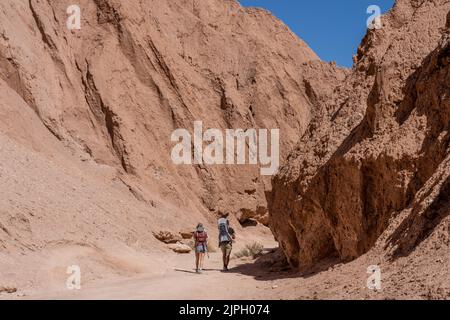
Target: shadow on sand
[
  {"x": 185, "y": 271},
  {"x": 267, "y": 267},
  {"x": 193, "y": 271}
]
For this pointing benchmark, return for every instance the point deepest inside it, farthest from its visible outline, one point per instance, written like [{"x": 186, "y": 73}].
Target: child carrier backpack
[{"x": 224, "y": 235}]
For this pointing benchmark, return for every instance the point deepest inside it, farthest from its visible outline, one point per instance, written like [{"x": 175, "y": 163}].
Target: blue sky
[{"x": 332, "y": 28}]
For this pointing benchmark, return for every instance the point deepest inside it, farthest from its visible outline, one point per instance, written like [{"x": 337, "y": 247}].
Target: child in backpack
[{"x": 201, "y": 247}]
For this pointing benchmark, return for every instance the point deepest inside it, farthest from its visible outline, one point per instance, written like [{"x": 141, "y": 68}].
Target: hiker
[
  {"x": 226, "y": 237},
  {"x": 201, "y": 247}
]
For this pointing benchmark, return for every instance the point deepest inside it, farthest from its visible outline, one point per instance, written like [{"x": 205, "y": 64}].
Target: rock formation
[{"x": 382, "y": 148}]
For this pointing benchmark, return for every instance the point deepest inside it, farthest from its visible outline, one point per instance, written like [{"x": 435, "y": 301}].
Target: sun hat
[{"x": 200, "y": 227}]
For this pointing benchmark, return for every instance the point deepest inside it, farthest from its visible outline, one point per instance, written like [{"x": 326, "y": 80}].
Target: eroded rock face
[
  {"x": 187, "y": 234},
  {"x": 137, "y": 70},
  {"x": 384, "y": 138}
]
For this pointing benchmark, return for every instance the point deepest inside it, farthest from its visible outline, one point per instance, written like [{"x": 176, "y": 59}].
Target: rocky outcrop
[
  {"x": 180, "y": 248},
  {"x": 167, "y": 237},
  {"x": 383, "y": 142},
  {"x": 187, "y": 234}
]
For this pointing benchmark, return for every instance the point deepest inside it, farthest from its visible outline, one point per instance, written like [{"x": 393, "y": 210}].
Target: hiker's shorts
[
  {"x": 201, "y": 248},
  {"x": 226, "y": 248}
]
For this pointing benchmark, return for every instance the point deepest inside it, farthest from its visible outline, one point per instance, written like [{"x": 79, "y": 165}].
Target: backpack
[
  {"x": 224, "y": 235},
  {"x": 201, "y": 236}
]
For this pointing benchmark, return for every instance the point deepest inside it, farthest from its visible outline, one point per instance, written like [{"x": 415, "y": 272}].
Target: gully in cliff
[{"x": 215, "y": 147}]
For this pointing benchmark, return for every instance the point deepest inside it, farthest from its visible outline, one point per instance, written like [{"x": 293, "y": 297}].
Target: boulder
[
  {"x": 186, "y": 234},
  {"x": 180, "y": 248},
  {"x": 167, "y": 237}
]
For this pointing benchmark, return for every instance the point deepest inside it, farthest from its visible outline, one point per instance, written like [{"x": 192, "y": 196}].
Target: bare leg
[
  {"x": 201, "y": 259},
  {"x": 197, "y": 260},
  {"x": 224, "y": 259},
  {"x": 227, "y": 259}
]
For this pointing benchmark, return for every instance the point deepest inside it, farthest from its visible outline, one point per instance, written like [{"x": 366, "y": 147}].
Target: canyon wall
[
  {"x": 381, "y": 150},
  {"x": 114, "y": 91}
]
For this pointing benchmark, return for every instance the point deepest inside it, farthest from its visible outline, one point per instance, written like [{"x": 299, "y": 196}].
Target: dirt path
[{"x": 179, "y": 282}]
